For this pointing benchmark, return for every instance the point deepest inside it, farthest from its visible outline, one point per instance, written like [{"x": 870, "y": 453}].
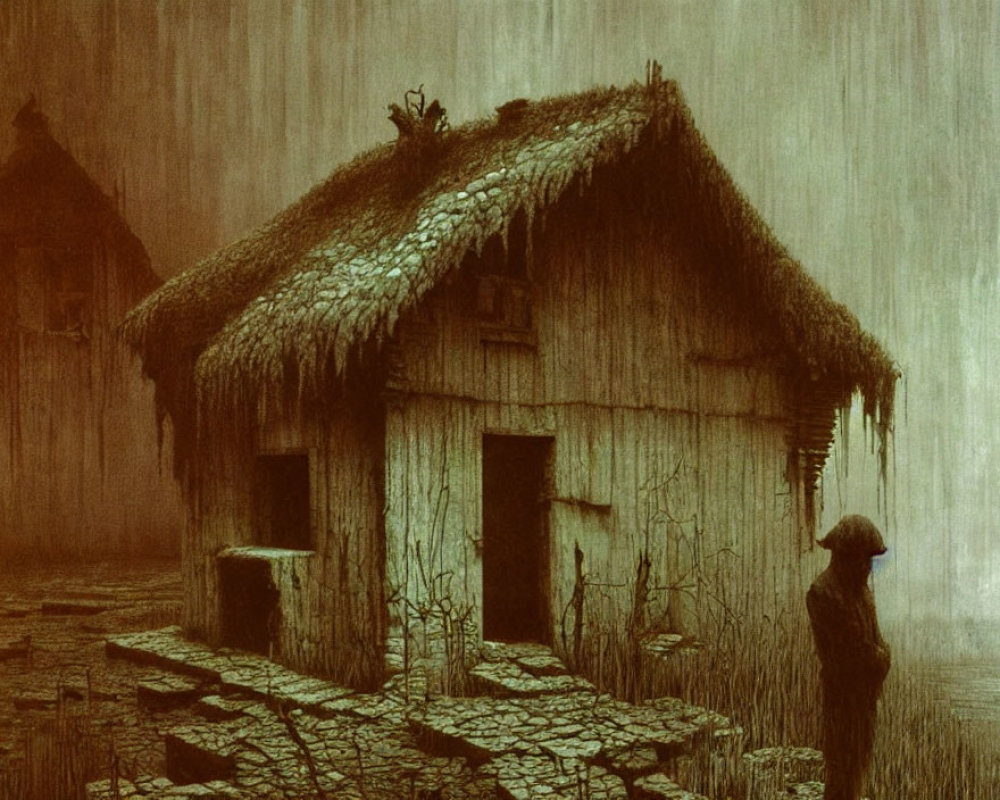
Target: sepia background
[{"x": 866, "y": 137}]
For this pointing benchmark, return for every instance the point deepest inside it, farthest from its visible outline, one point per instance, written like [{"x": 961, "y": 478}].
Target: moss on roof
[{"x": 336, "y": 269}]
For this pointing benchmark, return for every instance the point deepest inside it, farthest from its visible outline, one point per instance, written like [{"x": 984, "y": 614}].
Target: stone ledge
[
  {"x": 165, "y": 692},
  {"x": 509, "y": 679},
  {"x": 236, "y": 672},
  {"x": 264, "y": 553}
]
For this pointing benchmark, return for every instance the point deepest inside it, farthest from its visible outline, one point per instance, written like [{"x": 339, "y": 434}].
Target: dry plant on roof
[{"x": 421, "y": 130}]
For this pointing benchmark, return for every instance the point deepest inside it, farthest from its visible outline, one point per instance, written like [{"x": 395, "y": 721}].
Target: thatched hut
[
  {"x": 80, "y": 470},
  {"x": 408, "y": 404}
]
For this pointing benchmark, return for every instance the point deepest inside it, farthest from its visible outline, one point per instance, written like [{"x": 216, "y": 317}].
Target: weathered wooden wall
[
  {"x": 669, "y": 418},
  {"x": 331, "y": 600},
  {"x": 81, "y": 474}
]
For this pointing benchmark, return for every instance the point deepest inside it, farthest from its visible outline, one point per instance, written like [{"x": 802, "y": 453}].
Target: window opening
[{"x": 282, "y": 499}]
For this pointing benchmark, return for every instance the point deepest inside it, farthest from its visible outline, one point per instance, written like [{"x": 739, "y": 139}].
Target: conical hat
[{"x": 854, "y": 534}]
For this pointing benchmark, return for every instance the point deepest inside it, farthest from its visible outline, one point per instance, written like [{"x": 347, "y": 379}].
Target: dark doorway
[
  {"x": 248, "y": 603},
  {"x": 281, "y": 495},
  {"x": 515, "y": 538}
]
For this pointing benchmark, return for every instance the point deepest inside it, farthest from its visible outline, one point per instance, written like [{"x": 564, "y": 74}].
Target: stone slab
[
  {"x": 533, "y": 719},
  {"x": 542, "y": 665},
  {"x": 508, "y": 679},
  {"x": 531, "y": 777},
  {"x": 167, "y": 648},
  {"x": 163, "y": 692},
  {"x": 196, "y": 756},
  {"x": 661, "y": 787},
  {"x": 773, "y": 769},
  {"x": 237, "y": 672},
  {"x": 266, "y": 679},
  {"x": 810, "y": 790},
  {"x": 220, "y": 709},
  {"x": 511, "y": 651},
  {"x": 104, "y": 790}
]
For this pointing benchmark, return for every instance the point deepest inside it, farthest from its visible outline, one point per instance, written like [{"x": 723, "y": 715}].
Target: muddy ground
[
  {"x": 68, "y": 712},
  {"x": 72, "y": 715}
]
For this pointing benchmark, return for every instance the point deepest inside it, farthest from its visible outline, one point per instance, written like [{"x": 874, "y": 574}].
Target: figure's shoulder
[
  {"x": 821, "y": 583},
  {"x": 823, "y": 589}
]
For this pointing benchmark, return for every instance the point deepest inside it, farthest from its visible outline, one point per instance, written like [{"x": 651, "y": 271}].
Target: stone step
[
  {"x": 661, "y": 787},
  {"x": 269, "y": 680},
  {"x": 531, "y": 777},
  {"x": 165, "y": 692},
  {"x": 220, "y": 709},
  {"x": 167, "y": 648},
  {"x": 235, "y": 671},
  {"x": 509, "y": 679},
  {"x": 196, "y": 756}
]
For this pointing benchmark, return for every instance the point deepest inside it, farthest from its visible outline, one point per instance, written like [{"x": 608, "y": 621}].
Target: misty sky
[{"x": 867, "y": 138}]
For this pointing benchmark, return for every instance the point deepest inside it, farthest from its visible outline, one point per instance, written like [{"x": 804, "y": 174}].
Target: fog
[{"x": 866, "y": 137}]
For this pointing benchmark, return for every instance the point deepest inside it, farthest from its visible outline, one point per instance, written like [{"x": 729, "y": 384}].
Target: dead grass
[
  {"x": 54, "y": 753},
  {"x": 766, "y": 679},
  {"x": 59, "y": 757}
]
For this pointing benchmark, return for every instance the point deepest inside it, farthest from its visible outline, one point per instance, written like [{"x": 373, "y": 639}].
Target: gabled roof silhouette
[{"x": 48, "y": 200}]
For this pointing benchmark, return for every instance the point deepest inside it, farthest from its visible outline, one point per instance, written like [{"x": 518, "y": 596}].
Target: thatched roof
[
  {"x": 48, "y": 200},
  {"x": 336, "y": 269}
]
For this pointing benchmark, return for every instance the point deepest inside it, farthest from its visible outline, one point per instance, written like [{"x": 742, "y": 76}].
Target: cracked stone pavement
[{"x": 533, "y": 730}]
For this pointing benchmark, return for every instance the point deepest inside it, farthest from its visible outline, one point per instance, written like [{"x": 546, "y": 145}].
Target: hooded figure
[{"x": 854, "y": 657}]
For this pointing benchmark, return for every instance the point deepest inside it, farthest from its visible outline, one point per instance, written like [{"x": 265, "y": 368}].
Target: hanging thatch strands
[{"x": 338, "y": 268}]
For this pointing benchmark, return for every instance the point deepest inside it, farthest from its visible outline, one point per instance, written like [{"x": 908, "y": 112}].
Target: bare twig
[{"x": 293, "y": 733}]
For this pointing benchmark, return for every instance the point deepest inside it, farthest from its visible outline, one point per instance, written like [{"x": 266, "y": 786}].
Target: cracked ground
[{"x": 104, "y": 698}]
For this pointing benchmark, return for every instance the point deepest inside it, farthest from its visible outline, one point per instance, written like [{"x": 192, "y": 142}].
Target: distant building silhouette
[{"x": 79, "y": 463}]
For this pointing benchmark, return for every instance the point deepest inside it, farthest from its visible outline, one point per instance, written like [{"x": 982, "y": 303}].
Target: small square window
[
  {"x": 282, "y": 501},
  {"x": 68, "y": 289}
]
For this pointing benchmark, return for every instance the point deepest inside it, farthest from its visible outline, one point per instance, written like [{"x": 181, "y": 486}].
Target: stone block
[
  {"x": 661, "y": 787},
  {"x": 541, "y": 665},
  {"x": 193, "y": 757},
  {"x": 507, "y": 679},
  {"x": 220, "y": 709},
  {"x": 166, "y": 692}
]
